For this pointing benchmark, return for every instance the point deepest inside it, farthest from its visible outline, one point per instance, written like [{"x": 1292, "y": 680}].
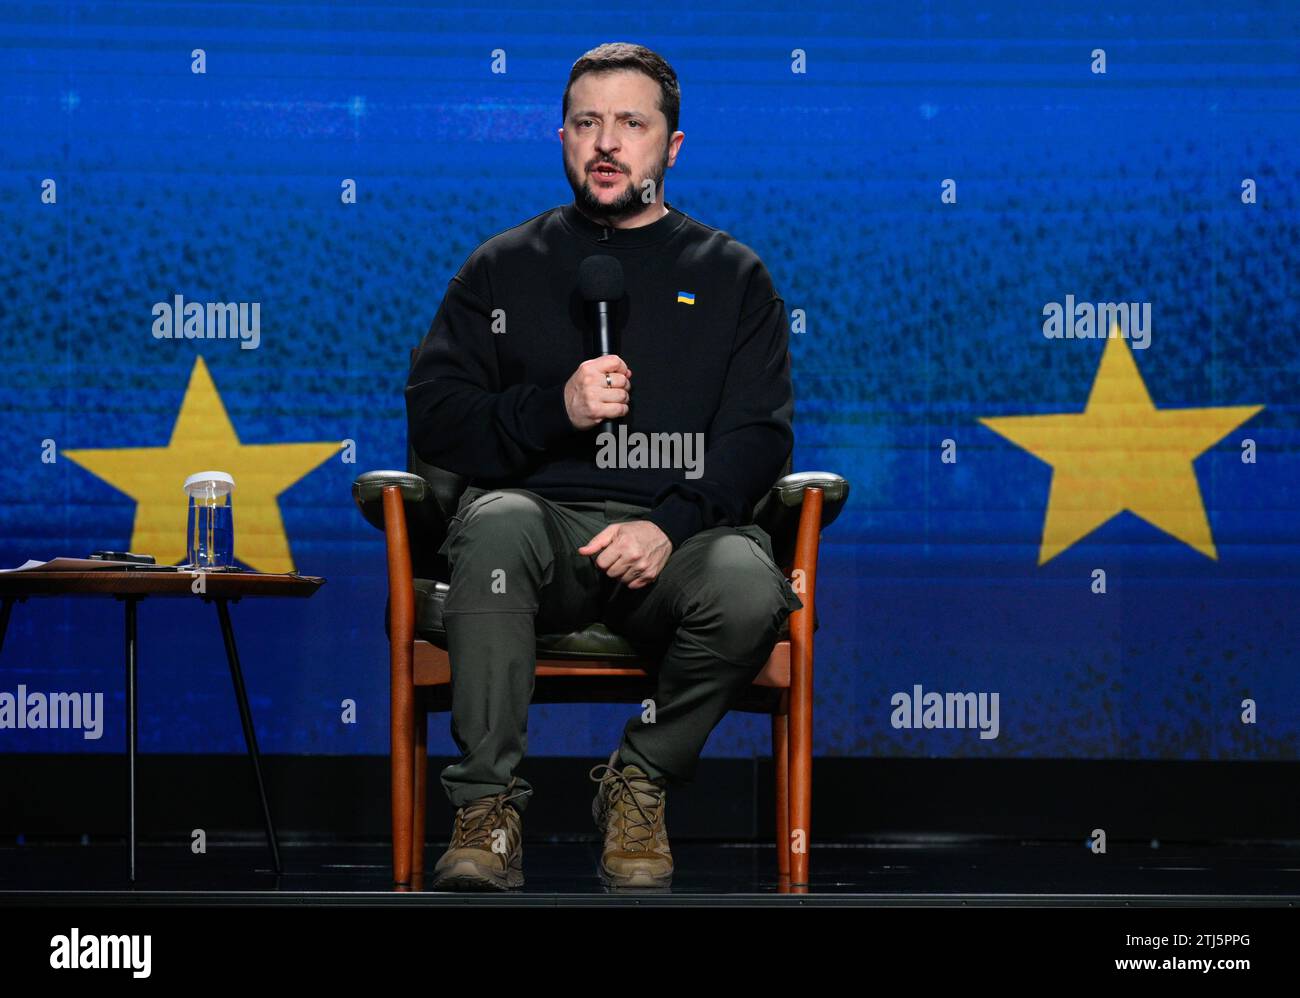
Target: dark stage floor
[{"x": 909, "y": 872}]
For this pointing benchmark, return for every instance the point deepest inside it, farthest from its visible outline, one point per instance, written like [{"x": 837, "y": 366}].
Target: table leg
[
  {"x": 246, "y": 718},
  {"x": 131, "y": 602}
]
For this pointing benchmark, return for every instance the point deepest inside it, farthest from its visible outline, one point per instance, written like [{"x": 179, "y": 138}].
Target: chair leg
[
  {"x": 800, "y": 751},
  {"x": 421, "y": 783},
  {"x": 402, "y": 747},
  {"x": 801, "y": 807},
  {"x": 781, "y": 764},
  {"x": 401, "y": 645},
  {"x": 801, "y": 689}
]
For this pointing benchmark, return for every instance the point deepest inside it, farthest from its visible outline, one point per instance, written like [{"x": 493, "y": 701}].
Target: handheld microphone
[{"x": 600, "y": 278}]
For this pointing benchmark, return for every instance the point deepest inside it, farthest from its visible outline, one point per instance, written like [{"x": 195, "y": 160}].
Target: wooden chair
[{"x": 593, "y": 665}]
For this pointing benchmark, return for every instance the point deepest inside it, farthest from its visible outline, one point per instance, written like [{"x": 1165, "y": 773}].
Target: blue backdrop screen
[{"x": 1099, "y": 531}]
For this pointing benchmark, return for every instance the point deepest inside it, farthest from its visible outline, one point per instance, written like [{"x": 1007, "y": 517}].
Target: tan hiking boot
[
  {"x": 629, "y": 813},
  {"x": 486, "y": 850}
]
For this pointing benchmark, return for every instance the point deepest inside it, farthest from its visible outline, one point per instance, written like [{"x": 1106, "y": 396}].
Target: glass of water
[{"x": 210, "y": 531}]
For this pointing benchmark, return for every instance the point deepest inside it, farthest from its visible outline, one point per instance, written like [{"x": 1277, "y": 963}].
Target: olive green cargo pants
[{"x": 708, "y": 622}]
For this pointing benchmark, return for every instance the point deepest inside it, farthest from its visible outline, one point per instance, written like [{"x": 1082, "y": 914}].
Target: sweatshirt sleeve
[
  {"x": 459, "y": 417},
  {"x": 752, "y": 433}
]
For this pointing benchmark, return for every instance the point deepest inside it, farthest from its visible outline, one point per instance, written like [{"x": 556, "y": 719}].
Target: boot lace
[
  {"x": 646, "y": 799},
  {"x": 477, "y": 820}
]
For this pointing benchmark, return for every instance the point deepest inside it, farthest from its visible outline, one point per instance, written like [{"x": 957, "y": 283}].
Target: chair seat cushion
[{"x": 595, "y": 641}]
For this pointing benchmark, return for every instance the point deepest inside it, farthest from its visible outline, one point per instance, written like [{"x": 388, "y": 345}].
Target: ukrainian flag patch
[{"x": 686, "y": 297}]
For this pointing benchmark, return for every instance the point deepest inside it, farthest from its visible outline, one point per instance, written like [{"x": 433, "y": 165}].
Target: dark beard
[{"x": 629, "y": 203}]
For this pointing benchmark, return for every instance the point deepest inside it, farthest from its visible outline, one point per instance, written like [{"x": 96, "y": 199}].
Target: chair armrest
[
  {"x": 426, "y": 524},
  {"x": 368, "y": 493},
  {"x": 778, "y": 512}
]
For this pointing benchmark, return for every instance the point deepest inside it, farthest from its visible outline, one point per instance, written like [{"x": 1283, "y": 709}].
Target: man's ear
[{"x": 674, "y": 147}]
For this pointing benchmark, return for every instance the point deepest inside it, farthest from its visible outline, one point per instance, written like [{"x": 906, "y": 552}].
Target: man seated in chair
[{"x": 561, "y": 526}]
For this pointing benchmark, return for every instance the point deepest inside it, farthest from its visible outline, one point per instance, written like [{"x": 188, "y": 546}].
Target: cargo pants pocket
[
  {"x": 762, "y": 549},
  {"x": 467, "y": 499}
]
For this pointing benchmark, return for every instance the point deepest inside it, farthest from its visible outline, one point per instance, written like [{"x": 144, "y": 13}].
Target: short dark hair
[{"x": 625, "y": 55}]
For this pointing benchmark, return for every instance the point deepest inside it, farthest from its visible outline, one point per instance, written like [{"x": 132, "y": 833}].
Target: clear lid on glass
[{"x": 219, "y": 482}]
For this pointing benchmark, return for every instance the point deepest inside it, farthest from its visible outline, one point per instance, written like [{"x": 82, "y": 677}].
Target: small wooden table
[{"x": 131, "y": 585}]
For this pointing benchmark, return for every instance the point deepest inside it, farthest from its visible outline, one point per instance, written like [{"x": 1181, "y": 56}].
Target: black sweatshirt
[{"x": 485, "y": 397}]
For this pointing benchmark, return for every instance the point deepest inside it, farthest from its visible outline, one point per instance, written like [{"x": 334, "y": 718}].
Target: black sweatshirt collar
[{"x": 604, "y": 235}]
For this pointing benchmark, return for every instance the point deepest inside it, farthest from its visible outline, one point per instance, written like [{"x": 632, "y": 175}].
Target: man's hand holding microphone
[{"x": 633, "y": 552}]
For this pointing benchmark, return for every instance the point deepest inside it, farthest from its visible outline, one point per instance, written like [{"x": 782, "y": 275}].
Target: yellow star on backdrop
[
  {"x": 1122, "y": 453},
  {"x": 203, "y": 439}
]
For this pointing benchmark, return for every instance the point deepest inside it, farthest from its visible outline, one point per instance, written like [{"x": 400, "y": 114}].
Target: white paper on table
[
  {"x": 72, "y": 565},
  {"x": 29, "y": 563}
]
